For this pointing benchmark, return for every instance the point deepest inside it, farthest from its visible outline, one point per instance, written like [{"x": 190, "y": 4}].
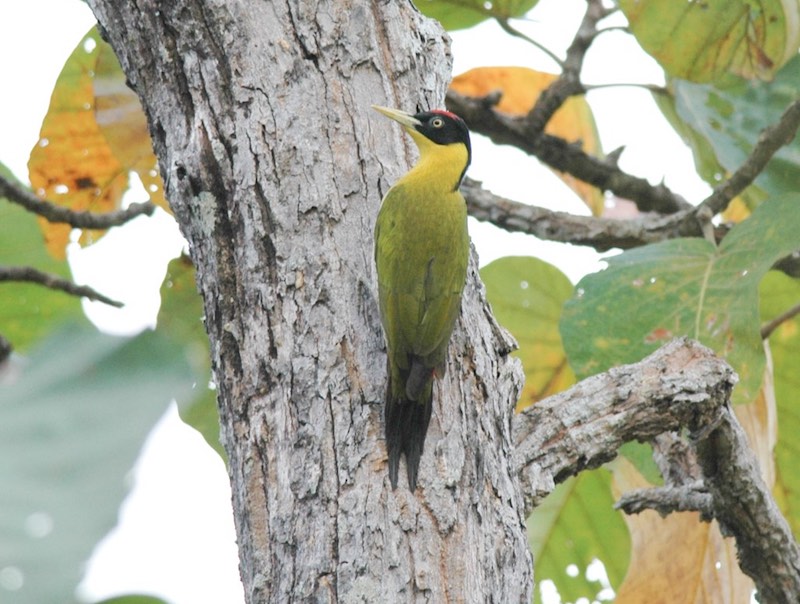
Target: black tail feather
[{"x": 406, "y": 425}]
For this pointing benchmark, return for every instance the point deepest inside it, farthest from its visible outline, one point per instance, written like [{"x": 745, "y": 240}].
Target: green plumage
[{"x": 421, "y": 254}]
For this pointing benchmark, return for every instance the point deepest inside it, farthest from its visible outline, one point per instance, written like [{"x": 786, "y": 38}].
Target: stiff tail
[{"x": 406, "y": 425}]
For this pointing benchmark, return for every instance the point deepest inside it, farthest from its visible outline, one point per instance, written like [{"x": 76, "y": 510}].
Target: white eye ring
[{"x": 437, "y": 122}]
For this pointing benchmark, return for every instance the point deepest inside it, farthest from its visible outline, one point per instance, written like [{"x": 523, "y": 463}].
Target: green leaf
[
  {"x": 29, "y": 311},
  {"x": 575, "y": 524},
  {"x": 527, "y": 295},
  {"x": 681, "y": 287},
  {"x": 181, "y": 318},
  {"x": 641, "y": 456},
  {"x": 461, "y": 14},
  {"x": 779, "y": 293},
  {"x": 701, "y": 41},
  {"x": 705, "y": 159},
  {"x": 730, "y": 117},
  {"x": 71, "y": 426}
]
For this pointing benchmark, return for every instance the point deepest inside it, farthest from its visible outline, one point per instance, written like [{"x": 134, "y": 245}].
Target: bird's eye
[{"x": 437, "y": 122}]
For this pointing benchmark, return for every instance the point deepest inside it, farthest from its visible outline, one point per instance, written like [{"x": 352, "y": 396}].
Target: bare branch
[
  {"x": 683, "y": 385},
  {"x": 563, "y": 156},
  {"x": 665, "y": 500},
  {"x": 768, "y": 328},
  {"x": 745, "y": 509},
  {"x": 32, "y": 275},
  {"x": 769, "y": 142},
  {"x": 59, "y": 214},
  {"x": 569, "y": 83},
  {"x": 585, "y": 425},
  {"x": 599, "y": 233}
]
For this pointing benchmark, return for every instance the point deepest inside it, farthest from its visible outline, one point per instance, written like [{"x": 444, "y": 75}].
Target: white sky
[{"x": 180, "y": 484}]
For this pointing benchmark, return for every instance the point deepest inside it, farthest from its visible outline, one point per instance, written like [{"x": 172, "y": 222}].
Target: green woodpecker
[{"x": 421, "y": 253}]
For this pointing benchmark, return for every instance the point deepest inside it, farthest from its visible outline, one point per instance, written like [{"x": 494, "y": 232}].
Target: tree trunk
[{"x": 275, "y": 167}]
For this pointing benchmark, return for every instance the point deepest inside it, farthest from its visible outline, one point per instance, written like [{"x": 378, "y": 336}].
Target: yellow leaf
[
  {"x": 73, "y": 164},
  {"x": 527, "y": 295},
  {"x": 701, "y": 41},
  {"x": 520, "y": 89},
  {"x": 736, "y": 211}
]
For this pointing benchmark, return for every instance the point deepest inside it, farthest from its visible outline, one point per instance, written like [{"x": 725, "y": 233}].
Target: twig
[
  {"x": 666, "y": 500},
  {"x": 59, "y": 214},
  {"x": 510, "y": 29},
  {"x": 32, "y": 275},
  {"x": 654, "y": 88},
  {"x": 527, "y": 133},
  {"x": 770, "y": 326},
  {"x": 771, "y": 139},
  {"x": 625, "y": 29}
]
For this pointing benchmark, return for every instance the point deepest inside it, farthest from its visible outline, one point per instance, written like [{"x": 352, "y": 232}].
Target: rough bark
[
  {"x": 274, "y": 167},
  {"x": 683, "y": 386}
]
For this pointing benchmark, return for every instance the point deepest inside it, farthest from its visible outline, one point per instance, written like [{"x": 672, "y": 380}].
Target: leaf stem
[
  {"x": 770, "y": 326},
  {"x": 510, "y": 29}
]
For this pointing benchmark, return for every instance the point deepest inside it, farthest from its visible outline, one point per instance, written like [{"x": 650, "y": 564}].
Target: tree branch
[
  {"x": 569, "y": 82},
  {"x": 32, "y": 275},
  {"x": 745, "y": 509},
  {"x": 683, "y": 385},
  {"x": 563, "y": 156},
  {"x": 599, "y": 233},
  {"x": 527, "y": 133},
  {"x": 59, "y": 214},
  {"x": 585, "y": 425},
  {"x": 769, "y": 142}
]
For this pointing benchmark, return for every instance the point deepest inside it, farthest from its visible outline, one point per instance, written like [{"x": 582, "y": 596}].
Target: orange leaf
[
  {"x": 520, "y": 89},
  {"x": 73, "y": 164}
]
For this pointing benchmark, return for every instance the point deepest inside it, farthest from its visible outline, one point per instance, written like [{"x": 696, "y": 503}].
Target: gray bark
[{"x": 275, "y": 167}]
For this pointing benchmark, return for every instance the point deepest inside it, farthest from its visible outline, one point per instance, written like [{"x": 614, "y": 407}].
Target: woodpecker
[{"x": 421, "y": 254}]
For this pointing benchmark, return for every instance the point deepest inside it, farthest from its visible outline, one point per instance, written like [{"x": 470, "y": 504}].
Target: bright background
[{"x": 175, "y": 538}]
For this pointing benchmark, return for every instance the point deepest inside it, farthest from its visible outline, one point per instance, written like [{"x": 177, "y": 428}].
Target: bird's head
[{"x": 433, "y": 131}]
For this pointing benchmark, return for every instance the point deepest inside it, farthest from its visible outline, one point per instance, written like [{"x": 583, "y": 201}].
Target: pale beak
[{"x": 406, "y": 119}]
